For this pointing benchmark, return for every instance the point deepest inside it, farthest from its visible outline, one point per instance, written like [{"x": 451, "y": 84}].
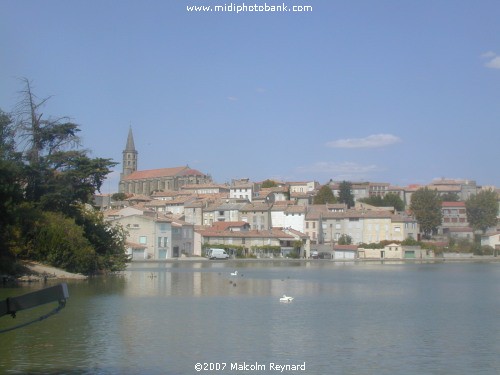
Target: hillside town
[{"x": 179, "y": 212}]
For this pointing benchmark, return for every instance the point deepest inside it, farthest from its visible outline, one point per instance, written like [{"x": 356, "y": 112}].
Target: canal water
[{"x": 196, "y": 318}]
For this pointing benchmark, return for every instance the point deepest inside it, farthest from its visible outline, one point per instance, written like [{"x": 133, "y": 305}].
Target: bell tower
[{"x": 129, "y": 156}]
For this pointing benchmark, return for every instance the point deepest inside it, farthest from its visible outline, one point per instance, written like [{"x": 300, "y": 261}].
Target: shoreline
[
  {"x": 38, "y": 272},
  {"x": 42, "y": 272},
  {"x": 473, "y": 259}
]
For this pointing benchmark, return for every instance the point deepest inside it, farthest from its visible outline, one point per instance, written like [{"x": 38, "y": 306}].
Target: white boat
[
  {"x": 235, "y": 273},
  {"x": 286, "y": 298}
]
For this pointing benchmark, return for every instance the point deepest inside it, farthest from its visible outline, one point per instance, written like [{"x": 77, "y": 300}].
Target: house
[
  {"x": 303, "y": 187},
  {"x": 363, "y": 189},
  {"x": 345, "y": 252},
  {"x": 258, "y": 243},
  {"x": 193, "y": 211},
  {"x": 241, "y": 189},
  {"x": 395, "y": 251},
  {"x": 257, "y": 215},
  {"x": 232, "y": 226},
  {"x": 174, "y": 206},
  {"x": 206, "y": 189},
  {"x": 362, "y": 226},
  {"x": 463, "y": 189},
  {"x": 227, "y": 210},
  {"x": 127, "y": 211},
  {"x": 454, "y": 220},
  {"x": 491, "y": 239},
  {"x": 272, "y": 195},
  {"x": 156, "y": 238},
  {"x": 295, "y": 217}
]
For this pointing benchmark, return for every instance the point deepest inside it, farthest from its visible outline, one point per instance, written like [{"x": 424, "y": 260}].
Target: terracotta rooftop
[{"x": 163, "y": 172}]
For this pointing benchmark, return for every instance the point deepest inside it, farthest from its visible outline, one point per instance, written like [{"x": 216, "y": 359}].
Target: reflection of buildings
[{"x": 157, "y": 279}]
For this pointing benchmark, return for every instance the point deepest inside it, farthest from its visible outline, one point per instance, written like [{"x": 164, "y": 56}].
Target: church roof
[
  {"x": 163, "y": 172},
  {"x": 130, "y": 147}
]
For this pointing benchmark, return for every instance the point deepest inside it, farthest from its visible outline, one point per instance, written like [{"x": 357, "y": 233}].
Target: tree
[
  {"x": 44, "y": 183},
  {"x": 119, "y": 196},
  {"x": 345, "y": 194},
  {"x": 394, "y": 200},
  {"x": 11, "y": 194},
  {"x": 482, "y": 210},
  {"x": 426, "y": 206},
  {"x": 374, "y": 200},
  {"x": 40, "y": 137},
  {"x": 345, "y": 239},
  {"x": 324, "y": 195},
  {"x": 389, "y": 200},
  {"x": 57, "y": 175},
  {"x": 450, "y": 197},
  {"x": 269, "y": 184}
]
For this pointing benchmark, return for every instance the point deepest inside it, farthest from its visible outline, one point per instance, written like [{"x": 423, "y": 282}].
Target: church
[{"x": 133, "y": 181}]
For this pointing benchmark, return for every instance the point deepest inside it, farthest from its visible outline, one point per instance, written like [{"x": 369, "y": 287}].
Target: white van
[{"x": 217, "y": 254}]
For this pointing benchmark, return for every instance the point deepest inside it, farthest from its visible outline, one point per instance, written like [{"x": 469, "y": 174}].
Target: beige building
[
  {"x": 156, "y": 238},
  {"x": 362, "y": 226}
]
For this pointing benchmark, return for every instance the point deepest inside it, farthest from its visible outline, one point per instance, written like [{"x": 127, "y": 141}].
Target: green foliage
[
  {"x": 410, "y": 241},
  {"x": 345, "y": 239},
  {"x": 324, "y": 195},
  {"x": 394, "y": 200},
  {"x": 269, "y": 184},
  {"x": 11, "y": 194},
  {"x": 345, "y": 194},
  {"x": 450, "y": 197},
  {"x": 42, "y": 189},
  {"x": 482, "y": 210},
  {"x": 389, "y": 200},
  {"x": 426, "y": 206},
  {"x": 107, "y": 240},
  {"x": 60, "y": 242},
  {"x": 374, "y": 200},
  {"x": 372, "y": 245},
  {"x": 119, "y": 196}
]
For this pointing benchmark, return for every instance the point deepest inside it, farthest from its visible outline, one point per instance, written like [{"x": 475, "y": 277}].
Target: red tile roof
[{"x": 163, "y": 172}]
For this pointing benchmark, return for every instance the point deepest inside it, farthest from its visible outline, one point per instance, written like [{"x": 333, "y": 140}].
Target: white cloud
[
  {"x": 232, "y": 98},
  {"x": 488, "y": 54},
  {"x": 372, "y": 141},
  {"x": 494, "y": 63},
  {"x": 340, "y": 171},
  {"x": 493, "y": 60}
]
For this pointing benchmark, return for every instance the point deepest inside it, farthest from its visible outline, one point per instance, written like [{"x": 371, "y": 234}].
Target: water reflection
[{"x": 162, "y": 318}]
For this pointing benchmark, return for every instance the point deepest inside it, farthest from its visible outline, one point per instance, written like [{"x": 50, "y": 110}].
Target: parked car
[{"x": 314, "y": 255}]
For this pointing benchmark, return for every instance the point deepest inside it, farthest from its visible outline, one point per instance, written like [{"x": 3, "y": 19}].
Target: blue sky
[{"x": 387, "y": 91}]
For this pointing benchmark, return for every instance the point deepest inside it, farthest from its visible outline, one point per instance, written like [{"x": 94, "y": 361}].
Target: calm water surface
[{"x": 164, "y": 318}]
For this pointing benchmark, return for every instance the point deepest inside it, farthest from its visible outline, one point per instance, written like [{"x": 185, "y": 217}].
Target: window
[
  {"x": 143, "y": 240},
  {"x": 162, "y": 241}
]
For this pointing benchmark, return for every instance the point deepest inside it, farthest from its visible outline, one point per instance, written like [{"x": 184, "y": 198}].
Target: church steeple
[{"x": 129, "y": 155}]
